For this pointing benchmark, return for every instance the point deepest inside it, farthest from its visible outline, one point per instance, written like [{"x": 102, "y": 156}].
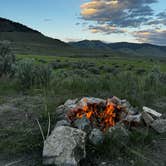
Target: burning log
[{"x": 101, "y": 113}]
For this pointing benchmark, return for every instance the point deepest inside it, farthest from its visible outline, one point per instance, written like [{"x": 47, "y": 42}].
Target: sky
[{"x": 142, "y": 21}]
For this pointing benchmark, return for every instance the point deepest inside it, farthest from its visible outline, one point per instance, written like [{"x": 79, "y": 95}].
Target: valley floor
[{"x": 141, "y": 81}]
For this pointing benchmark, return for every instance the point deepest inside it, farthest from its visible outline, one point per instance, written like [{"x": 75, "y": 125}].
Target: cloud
[
  {"x": 156, "y": 36},
  {"x": 120, "y": 13},
  {"x": 162, "y": 15},
  {"x": 105, "y": 29},
  {"x": 48, "y": 20},
  {"x": 160, "y": 18},
  {"x": 128, "y": 17},
  {"x": 77, "y": 23}
]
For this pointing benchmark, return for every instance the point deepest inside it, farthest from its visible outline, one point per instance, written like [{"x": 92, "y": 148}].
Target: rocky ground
[
  {"x": 21, "y": 142},
  {"x": 102, "y": 147}
]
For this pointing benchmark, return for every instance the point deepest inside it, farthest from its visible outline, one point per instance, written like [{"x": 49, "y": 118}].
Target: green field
[
  {"x": 139, "y": 80},
  {"x": 124, "y": 63}
]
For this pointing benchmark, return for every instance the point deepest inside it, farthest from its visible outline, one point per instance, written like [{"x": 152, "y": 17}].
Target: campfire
[
  {"x": 92, "y": 120},
  {"x": 102, "y": 114}
]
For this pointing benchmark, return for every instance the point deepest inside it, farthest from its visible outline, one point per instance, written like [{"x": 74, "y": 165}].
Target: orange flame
[{"x": 104, "y": 116}]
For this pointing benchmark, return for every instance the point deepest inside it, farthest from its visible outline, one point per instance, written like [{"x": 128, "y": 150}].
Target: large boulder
[
  {"x": 159, "y": 125},
  {"x": 65, "y": 146}
]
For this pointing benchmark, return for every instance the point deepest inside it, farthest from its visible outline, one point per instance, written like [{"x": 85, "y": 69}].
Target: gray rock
[
  {"x": 133, "y": 118},
  {"x": 159, "y": 125},
  {"x": 96, "y": 137},
  {"x": 62, "y": 123},
  {"x": 152, "y": 112},
  {"x": 71, "y": 103},
  {"x": 128, "y": 107},
  {"x": 147, "y": 118},
  {"x": 119, "y": 134},
  {"x": 86, "y": 100},
  {"x": 125, "y": 103},
  {"x": 65, "y": 146},
  {"x": 83, "y": 124},
  {"x": 61, "y": 111},
  {"x": 115, "y": 100}
]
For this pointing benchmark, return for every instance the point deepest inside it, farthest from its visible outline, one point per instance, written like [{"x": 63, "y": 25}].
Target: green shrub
[
  {"x": 29, "y": 74},
  {"x": 25, "y": 73},
  {"x": 42, "y": 75},
  {"x": 140, "y": 71},
  {"x": 94, "y": 70},
  {"x": 163, "y": 78},
  {"x": 59, "y": 64},
  {"x": 108, "y": 69},
  {"x": 42, "y": 61},
  {"x": 7, "y": 60}
]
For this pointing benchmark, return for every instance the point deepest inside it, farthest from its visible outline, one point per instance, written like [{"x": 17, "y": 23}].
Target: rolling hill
[
  {"x": 137, "y": 49},
  {"x": 25, "y": 40}
]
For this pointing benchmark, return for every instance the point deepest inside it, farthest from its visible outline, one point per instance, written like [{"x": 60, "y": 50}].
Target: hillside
[
  {"x": 26, "y": 40},
  {"x": 10, "y": 26}
]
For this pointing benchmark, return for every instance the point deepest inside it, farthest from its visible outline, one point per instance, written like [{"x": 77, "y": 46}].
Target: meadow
[{"x": 36, "y": 85}]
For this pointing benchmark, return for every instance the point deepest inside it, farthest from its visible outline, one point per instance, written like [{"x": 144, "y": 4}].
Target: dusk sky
[{"x": 106, "y": 20}]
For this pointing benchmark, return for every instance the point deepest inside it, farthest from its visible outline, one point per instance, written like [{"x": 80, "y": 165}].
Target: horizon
[{"x": 109, "y": 21}]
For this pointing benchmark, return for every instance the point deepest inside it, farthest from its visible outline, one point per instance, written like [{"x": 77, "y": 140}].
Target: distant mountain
[
  {"x": 90, "y": 44},
  {"x": 26, "y": 40},
  {"x": 134, "y": 46},
  {"x": 96, "y": 44},
  {"x": 137, "y": 49}
]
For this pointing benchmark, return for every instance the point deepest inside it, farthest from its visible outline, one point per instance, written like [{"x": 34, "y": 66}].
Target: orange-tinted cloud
[
  {"x": 126, "y": 16},
  {"x": 122, "y": 13}
]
